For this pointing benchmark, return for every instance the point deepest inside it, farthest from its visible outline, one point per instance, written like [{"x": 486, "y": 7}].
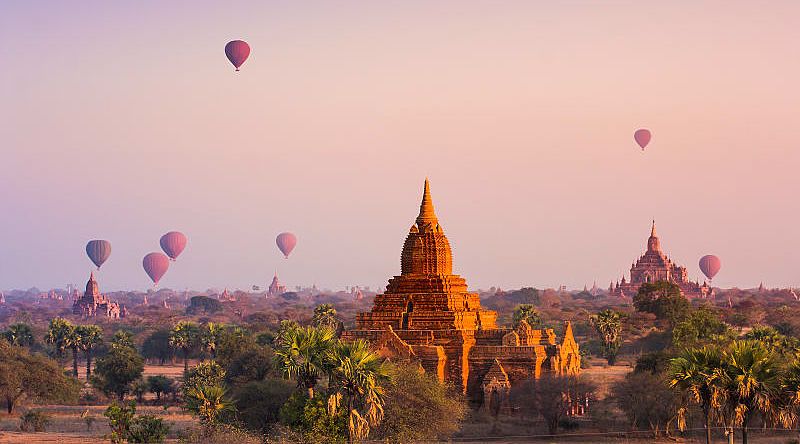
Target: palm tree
[
  {"x": 356, "y": 375},
  {"x": 325, "y": 316},
  {"x": 608, "y": 324},
  {"x": 751, "y": 381},
  {"x": 698, "y": 372},
  {"x": 90, "y": 336},
  {"x": 790, "y": 394},
  {"x": 303, "y": 354},
  {"x": 184, "y": 337},
  {"x": 528, "y": 313},
  {"x": 61, "y": 334},
  {"x": 208, "y": 402},
  {"x": 20, "y": 335},
  {"x": 210, "y": 336}
]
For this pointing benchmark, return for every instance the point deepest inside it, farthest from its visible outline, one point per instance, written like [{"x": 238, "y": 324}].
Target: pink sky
[{"x": 126, "y": 121}]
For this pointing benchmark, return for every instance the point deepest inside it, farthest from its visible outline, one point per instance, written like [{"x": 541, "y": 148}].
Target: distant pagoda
[
  {"x": 428, "y": 315},
  {"x": 653, "y": 266},
  {"x": 93, "y": 303}
]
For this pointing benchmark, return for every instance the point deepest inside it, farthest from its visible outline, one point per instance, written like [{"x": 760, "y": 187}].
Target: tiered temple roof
[{"x": 427, "y": 314}]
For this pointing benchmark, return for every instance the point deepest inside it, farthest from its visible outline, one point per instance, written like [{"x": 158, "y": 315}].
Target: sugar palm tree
[
  {"x": 303, "y": 355},
  {"x": 325, "y": 315},
  {"x": 20, "y": 335},
  {"x": 790, "y": 394},
  {"x": 61, "y": 334},
  {"x": 210, "y": 335},
  {"x": 751, "y": 382},
  {"x": 90, "y": 336},
  {"x": 698, "y": 372},
  {"x": 608, "y": 324},
  {"x": 356, "y": 376},
  {"x": 208, "y": 402},
  {"x": 184, "y": 337}
]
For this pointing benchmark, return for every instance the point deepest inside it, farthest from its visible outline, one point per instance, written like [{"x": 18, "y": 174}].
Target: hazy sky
[{"x": 124, "y": 120}]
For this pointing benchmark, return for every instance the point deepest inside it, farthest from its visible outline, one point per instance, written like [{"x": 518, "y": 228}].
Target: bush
[
  {"x": 259, "y": 403},
  {"x": 147, "y": 429},
  {"x": 34, "y": 421},
  {"x": 207, "y": 373}
]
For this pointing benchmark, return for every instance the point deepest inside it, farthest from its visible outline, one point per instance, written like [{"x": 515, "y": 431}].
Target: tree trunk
[
  {"x": 745, "y": 420},
  {"x": 75, "y": 361},
  {"x": 185, "y": 363},
  {"x": 9, "y": 405},
  {"x": 310, "y": 392},
  {"x": 707, "y": 412},
  {"x": 88, "y": 363}
]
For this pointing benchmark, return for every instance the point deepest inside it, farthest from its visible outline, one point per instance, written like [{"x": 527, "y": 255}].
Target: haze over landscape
[{"x": 123, "y": 121}]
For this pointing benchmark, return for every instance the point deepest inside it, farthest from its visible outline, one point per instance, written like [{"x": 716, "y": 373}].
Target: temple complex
[
  {"x": 428, "y": 315},
  {"x": 275, "y": 287},
  {"x": 654, "y": 265},
  {"x": 93, "y": 303}
]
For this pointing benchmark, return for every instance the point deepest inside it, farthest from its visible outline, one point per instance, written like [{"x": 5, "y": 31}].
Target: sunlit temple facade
[
  {"x": 654, "y": 265},
  {"x": 93, "y": 303},
  {"x": 428, "y": 315}
]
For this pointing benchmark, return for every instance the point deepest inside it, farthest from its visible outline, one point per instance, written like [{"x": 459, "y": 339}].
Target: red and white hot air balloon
[
  {"x": 173, "y": 243},
  {"x": 155, "y": 265},
  {"x": 286, "y": 243},
  {"x": 237, "y": 52},
  {"x": 642, "y": 137},
  {"x": 710, "y": 265}
]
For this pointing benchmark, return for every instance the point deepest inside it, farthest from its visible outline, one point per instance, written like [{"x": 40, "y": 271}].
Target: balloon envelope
[
  {"x": 642, "y": 137},
  {"x": 173, "y": 243},
  {"x": 155, "y": 265},
  {"x": 237, "y": 52},
  {"x": 98, "y": 251},
  {"x": 286, "y": 243},
  {"x": 710, "y": 265}
]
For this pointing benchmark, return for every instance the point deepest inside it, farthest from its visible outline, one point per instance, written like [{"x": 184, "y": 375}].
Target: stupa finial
[{"x": 427, "y": 215}]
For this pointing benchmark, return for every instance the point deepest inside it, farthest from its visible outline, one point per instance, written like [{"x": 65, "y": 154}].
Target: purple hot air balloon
[
  {"x": 286, "y": 242},
  {"x": 642, "y": 137},
  {"x": 155, "y": 265},
  {"x": 98, "y": 251},
  {"x": 710, "y": 265},
  {"x": 237, "y": 52},
  {"x": 173, "y": 243}
]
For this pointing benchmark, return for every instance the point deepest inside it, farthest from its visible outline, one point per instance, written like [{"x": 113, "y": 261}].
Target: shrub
[
  {"x": 147, "y": 429},
  {"x": 259, "y": 403},
  {"x": 34, "y": 421}
]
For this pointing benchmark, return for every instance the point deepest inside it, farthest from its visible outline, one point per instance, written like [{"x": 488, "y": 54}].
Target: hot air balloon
[
  {"x": 642, "y": 137},
  {"x": 173, "y": 243},
  {"x": 155, "y": 265},
  {"x": 286, "y": 242},
  {"x": 710, "y": 265},
  {"x": 237, "y": 52},
  {"x": 98, "y": 251}
]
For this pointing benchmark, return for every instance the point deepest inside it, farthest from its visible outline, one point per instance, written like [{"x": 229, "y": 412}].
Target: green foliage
[
  {"x": 184, "y": 337},
  {"x": 529, "y": 313},
  {"x": 28, "y": 375},
  {"x": 608, "y": 325},
  {"x": 116, "y": 371},
  {"x": 159, "y": 384},
  {"x": 701, "y": 326},
  {"x": 551, "y": 396},
  {"x": 20, "y": 335},
  {"x": 698, "y": 372},
  {"x": 311, "y": 418},
  {"x": 663, "y": 299},
  {"x": 210, "y": 336},
  {"x": 325, "y": 316},
  {"x": 89, "y": 337},
  {"x": 303, "y": 355},
  {"x": 418, "y": 408},
  {"x": 147, "y": 429},
  {"x": 253, "y": 364},
  {"x": 123, "y": 339},
  {"x": 207, "y": 373},
  {"x": 656, "y": 362},
  {"x": 119, "y": 420},
  {"x": 773, "y": 340},
  {"x": 646, "y": 401},
  {"x": 34, "y": 420},
  {"x": 208, "y": 402},
  {"x": 203, "y": 305},
  {"x": 259, "y": 402},
  {"x": 157, "y": 346}
]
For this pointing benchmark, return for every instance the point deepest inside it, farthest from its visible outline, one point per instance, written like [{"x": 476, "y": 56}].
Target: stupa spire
[
  {"x": 653, "y": 229},
  {"x": 427, "y": 216}
]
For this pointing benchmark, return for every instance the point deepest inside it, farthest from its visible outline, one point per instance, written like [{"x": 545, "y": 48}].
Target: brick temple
[
  {"x": 654, "y": 265},
  {"x": 93, "y": 303},
  {"x": 428, "y": 315}
]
